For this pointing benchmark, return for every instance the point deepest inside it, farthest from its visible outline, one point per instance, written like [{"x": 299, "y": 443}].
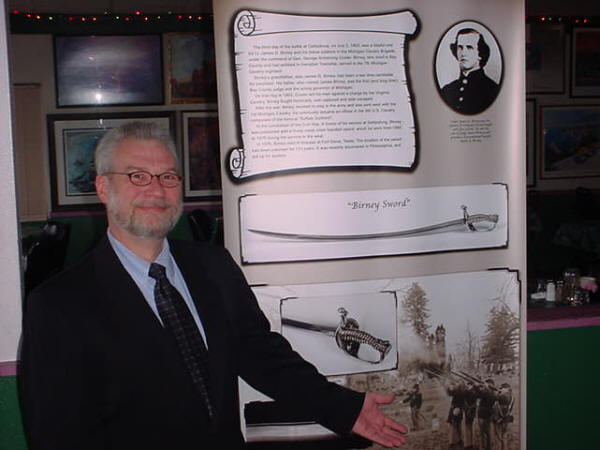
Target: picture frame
[
  {"x": 448, "y": 72},
  {"x": 108, "y": 70},
  {"x": 201, "y": 157},
  {"x": 545, "y": 58},
  {"x": 190, "y": 69},
  {"x": 72, "y": 139},
  {"x": 530, "y": 116},
  {"x": 570, "y": 141},
  {"x": 585, "y": 48}
]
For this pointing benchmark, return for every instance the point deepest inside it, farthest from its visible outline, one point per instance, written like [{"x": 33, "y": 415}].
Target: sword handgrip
[{"x": 348, "y": 338}]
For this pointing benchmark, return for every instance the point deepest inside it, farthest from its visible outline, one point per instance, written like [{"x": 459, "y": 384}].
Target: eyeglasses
[{"x": 143, "y": 178}]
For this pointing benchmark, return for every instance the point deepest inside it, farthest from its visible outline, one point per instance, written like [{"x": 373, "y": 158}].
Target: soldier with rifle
[
  {"x": 502, "y": 414},
  {"x": 457, "y": 390},
  {"x": 415, "y": 400},
  {"x": 487, "y": 398},
  {"x": 470, "y": 410}
]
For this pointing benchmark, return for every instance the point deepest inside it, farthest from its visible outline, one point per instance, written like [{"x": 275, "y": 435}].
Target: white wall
[{"x": 10, "y": 281}]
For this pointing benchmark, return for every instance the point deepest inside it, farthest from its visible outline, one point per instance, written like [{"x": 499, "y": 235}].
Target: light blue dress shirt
[{"x": 138, "y": 269}]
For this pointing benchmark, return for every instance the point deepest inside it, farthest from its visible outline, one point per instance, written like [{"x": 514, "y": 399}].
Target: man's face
[
  {"x": 148, "y": 212},
  {"x": 467, "y": 53}
]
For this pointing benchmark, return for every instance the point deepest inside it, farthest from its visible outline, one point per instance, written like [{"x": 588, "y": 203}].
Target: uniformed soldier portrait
[{"x": 468, "y": 68}]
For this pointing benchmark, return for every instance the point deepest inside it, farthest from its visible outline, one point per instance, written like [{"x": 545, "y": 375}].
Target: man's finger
[
  {"x": 388, "y": 441},
  {"x": 395, "y": 426},
  {"x": 382, "y": 398}
]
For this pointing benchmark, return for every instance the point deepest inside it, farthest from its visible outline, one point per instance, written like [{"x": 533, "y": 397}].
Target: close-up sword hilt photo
[{"x": 348, "y": 337}]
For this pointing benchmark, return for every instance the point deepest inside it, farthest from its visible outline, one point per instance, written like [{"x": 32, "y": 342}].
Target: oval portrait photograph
[{"x": 468, "y": 68}]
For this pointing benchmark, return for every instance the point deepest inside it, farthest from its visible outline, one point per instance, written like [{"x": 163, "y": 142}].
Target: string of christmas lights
[
  {"x": 169, "y": 15},
  {"x": 570, "y": 20},
  {"x": 136, "y": 21},
  {"x": 136, "y": 15}
]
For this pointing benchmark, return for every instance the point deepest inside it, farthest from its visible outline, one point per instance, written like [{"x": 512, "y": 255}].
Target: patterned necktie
[{"x": 176, "y": 318}]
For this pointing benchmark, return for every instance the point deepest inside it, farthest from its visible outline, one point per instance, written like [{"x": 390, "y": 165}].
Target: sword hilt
[{"x": 349, "y": 338}]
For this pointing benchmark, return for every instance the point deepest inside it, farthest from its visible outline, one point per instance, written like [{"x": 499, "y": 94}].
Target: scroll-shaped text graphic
[{"x": 322, "y": 92}]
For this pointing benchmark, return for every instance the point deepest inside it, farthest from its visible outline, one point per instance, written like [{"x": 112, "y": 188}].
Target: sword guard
[{"x": 349, "y": 338}]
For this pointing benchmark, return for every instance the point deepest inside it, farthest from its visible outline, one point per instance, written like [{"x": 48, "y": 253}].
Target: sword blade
[
  {"x": 326, "y": 329},
  {"x": 490, "y": 219}
]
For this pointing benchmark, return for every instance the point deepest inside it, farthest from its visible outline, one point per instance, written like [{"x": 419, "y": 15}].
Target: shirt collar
[
  {"x": 473, "y": 74},
  {"x": 139, "y": 265}
]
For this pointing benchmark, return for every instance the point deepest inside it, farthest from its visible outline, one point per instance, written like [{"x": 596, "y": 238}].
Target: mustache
[{"x": 154, "y": 204}]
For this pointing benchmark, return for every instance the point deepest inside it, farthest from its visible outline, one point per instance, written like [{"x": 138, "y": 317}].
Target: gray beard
[{"x": 136, "y": 224}]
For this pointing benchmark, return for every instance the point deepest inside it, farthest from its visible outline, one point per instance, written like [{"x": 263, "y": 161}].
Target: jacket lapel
[
  {"x": 207, "y": 298},
  {"x": 122, "y": 300}
]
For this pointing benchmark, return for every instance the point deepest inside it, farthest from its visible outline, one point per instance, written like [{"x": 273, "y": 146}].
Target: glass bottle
[
  {"x": 560, "y": 292},
  {"x": 571, "y": 280}
]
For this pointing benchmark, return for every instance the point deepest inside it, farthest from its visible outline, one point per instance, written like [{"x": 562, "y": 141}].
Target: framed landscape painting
[
  {"x": 545, "y": 58},
  {"x": 530, "y": 117},
  {"x": 201, "y": 162},
  {"x": 108, "y": 70},
  {"x": 585, "y": 72},
  {"x": 190, "y": 69},
  {"x": 570, "y": 137}
]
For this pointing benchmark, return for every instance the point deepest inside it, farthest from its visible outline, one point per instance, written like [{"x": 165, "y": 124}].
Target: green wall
[
  {"x": 563, "y": 395},
  {"x": 11, "y": 431}
]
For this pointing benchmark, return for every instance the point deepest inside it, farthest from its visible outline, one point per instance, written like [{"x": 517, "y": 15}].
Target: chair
[
  {"x": 205, "y": 227},
  {"x": 44, "y": 253}
]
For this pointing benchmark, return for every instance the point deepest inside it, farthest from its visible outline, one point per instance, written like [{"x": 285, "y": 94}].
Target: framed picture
[
  {"x": 72, "y": 141},
  {"x": 190, "y": 68},
  {"x": 530, "y": 144},
  {"x": 585, "y": 66},
  {"x": 481, "y": 94},
  {"x": 545, "y": 58},
  {"x": 108, "y": 70},
  {"x": 201, "y": 162},
  {"x": 570, "y": 137}
]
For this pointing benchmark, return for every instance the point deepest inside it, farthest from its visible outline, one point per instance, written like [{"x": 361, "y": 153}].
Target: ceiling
[{"x": 111, "y": 6}]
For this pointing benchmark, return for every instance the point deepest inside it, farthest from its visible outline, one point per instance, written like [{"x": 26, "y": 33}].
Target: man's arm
[{"x": 270, "y": 364}]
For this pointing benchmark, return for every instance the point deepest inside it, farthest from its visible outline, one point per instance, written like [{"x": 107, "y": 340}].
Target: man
[
  {"x": 502, "y": 415},
  {"x": 473, "y": 91},
  {"x": 470, "y": 410},
  {"x": 141, "y": 343},
  {"x": 487, "y": 398},
  {"x": 457, "y": 391},
  {"x": 415, "y": 400}
]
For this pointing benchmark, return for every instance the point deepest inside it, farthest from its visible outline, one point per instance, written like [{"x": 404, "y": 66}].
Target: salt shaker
[{"x": 550, "y": 291}]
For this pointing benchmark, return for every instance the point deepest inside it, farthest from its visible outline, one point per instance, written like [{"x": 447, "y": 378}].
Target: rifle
[{"x": 467, "y": 377}]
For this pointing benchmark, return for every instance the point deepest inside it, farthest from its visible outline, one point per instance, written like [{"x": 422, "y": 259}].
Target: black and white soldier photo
[{"x": 468, "y": 68}]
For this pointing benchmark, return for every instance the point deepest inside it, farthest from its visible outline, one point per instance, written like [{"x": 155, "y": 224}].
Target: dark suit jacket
[
  {"x": 99, "y": 371},
  {"x": 472, "y": 94}
]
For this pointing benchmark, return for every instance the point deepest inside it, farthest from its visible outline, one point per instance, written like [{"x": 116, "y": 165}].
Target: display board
[{"x": 373, "y": 167}]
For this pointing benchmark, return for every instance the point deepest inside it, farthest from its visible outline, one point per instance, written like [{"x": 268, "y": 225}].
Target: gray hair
[{"x": 105, "y": 150}]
